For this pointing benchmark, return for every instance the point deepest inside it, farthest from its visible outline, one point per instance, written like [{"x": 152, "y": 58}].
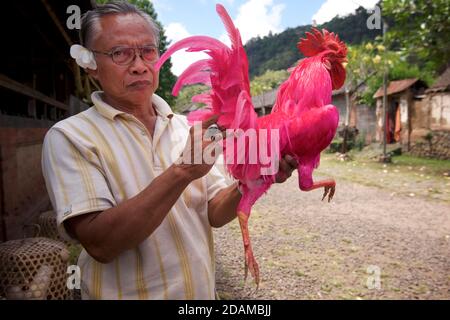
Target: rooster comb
[{"x": 317, "y": 42}]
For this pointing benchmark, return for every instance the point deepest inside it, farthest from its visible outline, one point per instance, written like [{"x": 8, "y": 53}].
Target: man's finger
[{"x": 210, "y": 121}]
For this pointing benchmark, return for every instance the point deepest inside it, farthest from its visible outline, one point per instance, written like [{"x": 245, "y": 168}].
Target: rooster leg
[
  {"x": 250, "y": 262},
  {"x": 329, "y": 188}
]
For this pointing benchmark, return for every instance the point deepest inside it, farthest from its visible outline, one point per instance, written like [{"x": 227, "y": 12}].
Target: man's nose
[{"x": 138, "y": 66}]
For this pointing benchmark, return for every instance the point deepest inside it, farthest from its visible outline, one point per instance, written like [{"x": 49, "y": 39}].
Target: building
[
  {"x": 418, "y": 117},
  {"x": 438, "y": 96},
  {"x": 39, "y": 85},
  {"x": 264, "y": 102},
  {"x": 401, "y": 99}
]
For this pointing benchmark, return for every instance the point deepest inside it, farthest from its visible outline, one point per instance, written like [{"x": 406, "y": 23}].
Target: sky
[{"x": 182, "y": 18}]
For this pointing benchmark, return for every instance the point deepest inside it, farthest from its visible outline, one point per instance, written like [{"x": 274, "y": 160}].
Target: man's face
[{"x": 131, "y": 84}]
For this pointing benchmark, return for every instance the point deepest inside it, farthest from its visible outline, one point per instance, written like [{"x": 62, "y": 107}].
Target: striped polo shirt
[{"x": 98, "y": 158}]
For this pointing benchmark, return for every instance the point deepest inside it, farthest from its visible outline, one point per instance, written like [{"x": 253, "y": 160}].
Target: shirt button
[{"x": 143, "y": 133}]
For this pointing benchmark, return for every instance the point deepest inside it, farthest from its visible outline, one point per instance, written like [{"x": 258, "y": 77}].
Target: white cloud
[
  {"x": 257, "y": 18},
  {"x": 254, "y": 18},
  {"x": 161, "y": 5},
  {"x": 332, "y": 8},
  {"x": 176, "y": 31},
  {"x": 181, "y": 60}
]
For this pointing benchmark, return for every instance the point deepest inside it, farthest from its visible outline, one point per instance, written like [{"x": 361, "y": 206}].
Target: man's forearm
[
  {"x": 223, "y": 207},
  {"x": 125, "y": 226}
]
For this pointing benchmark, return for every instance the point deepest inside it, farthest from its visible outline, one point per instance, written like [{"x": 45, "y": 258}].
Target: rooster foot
[
  {"x": 250, "y": 261},
  {"x": 252, "y": 265},
  {"x": 330, "y": 190}
]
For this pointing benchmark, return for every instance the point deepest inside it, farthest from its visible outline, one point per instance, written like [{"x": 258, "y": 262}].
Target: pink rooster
[{"x": 303, "y": 121}]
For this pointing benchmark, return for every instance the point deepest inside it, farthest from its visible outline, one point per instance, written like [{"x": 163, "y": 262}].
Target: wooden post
[
  {"x": 78, "y": 82},
  {"x": 385, "y": 157},
  {"x": 87, "y": 88},
  {"x": 58, "y": 24}
]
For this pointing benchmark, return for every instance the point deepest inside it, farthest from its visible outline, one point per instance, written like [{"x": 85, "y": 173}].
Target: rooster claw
[
  {"x": 252, "y": 265},
  {"x": 330, "y": 190}
]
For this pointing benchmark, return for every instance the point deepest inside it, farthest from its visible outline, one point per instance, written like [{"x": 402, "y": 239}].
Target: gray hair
[{"x": 90, "y": 19}]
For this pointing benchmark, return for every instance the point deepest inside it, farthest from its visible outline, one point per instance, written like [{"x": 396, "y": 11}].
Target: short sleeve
[
  {"x": 73, "y": 177},
  {"x": 217, "y": 179}
]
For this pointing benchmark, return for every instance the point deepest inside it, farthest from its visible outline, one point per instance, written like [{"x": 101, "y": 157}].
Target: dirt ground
[{"x": 385, "y": 235}]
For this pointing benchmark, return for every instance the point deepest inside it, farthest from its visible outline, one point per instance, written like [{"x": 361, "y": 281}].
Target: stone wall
[{"x": 438, "y": 147}]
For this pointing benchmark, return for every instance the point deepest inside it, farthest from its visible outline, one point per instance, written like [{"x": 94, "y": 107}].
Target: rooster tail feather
[
  {"x": 233, "y": 33},
  {"x": 203, "y": 98},
  {"x": 198, "y": 67},
  {"x": 199, "y": 115},
  {"x": 194, "y": 43},
  {"x": 194, "y": 78}
]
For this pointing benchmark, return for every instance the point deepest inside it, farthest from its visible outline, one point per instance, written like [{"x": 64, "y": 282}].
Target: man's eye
[
  {"x": 118, "y": 53},
  {"x": 149, "y": 51}
]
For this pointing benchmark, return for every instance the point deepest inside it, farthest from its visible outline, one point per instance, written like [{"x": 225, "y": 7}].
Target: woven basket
[
  {"x": 48, "y": 226},
  {"x": 34, "y": 269}
]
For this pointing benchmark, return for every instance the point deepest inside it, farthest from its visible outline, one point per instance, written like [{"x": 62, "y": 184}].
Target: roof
[
  {"x": 396, "y": 87},
  {"x": 442, "y": 83}
]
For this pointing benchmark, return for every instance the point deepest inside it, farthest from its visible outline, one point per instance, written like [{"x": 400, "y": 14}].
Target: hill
[{"x": 279, "y": 51}]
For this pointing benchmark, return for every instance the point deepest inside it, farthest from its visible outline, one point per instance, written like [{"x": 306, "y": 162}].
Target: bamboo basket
[{"x": 34, "y": 269}]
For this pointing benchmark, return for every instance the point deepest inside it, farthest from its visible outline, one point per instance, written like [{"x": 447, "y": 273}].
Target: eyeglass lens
[{"x": 127, "y": 55}]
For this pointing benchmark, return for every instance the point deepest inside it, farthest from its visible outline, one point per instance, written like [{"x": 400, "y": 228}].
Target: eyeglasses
[{"x": 126, "y": 55}]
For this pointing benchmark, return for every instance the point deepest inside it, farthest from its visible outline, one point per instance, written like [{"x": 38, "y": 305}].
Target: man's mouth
[{"x": 139, "y": 84}]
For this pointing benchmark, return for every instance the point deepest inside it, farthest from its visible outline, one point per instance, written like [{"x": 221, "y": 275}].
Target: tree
[
  {"x": 421, "y": 30},
  {"x": 166, "y": 78},
  {"x": 268, "y": 81},
  {"x": 366, "y": 64},
  {"x": 185, "y": 95}
]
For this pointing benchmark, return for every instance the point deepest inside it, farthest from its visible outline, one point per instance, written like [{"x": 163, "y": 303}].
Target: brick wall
[{"x": 23, "y": 192}]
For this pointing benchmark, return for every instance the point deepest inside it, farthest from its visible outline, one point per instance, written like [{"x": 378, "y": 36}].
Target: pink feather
[
  {"x": 303, "y": 118},
  {"x": 200, "y": 66}
]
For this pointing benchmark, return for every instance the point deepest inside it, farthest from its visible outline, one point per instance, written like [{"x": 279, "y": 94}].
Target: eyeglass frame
[{"x": 110, "y": 53}]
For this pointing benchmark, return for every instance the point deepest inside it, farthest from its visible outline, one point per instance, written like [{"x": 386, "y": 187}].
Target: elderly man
[{"x": 143, "y": 219}]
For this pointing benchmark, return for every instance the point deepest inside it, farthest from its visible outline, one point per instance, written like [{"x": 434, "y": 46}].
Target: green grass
[
  {"x": 404, "y": 162},
  {"x": 433, "y": 166},
  {"x": 370, "y": 154}
]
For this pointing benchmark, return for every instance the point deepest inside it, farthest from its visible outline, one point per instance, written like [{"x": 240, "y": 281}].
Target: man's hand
[
  {"x": 201, "y": 150},
  {"x": 287, "y": 165}
]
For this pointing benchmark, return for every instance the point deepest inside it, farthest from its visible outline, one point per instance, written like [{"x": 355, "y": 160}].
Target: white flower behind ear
[{"x": 83, "y": 57}]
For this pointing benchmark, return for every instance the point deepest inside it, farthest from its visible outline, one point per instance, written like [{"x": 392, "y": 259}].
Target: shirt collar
[{"x": 109, "y": 112}]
